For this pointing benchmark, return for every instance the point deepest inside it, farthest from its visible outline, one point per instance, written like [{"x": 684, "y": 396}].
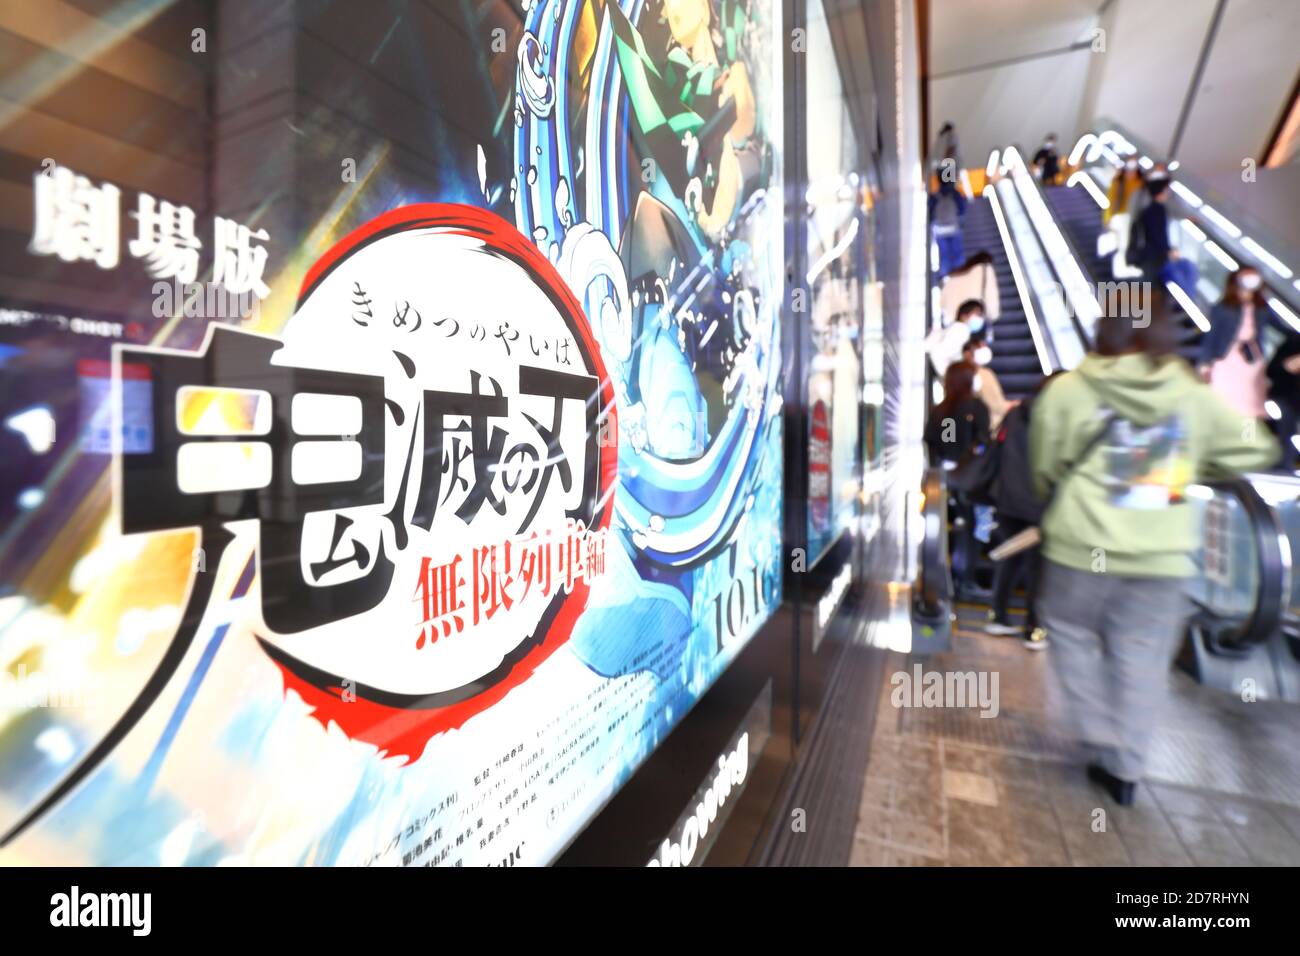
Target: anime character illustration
[{"x": 650, "y": 171}]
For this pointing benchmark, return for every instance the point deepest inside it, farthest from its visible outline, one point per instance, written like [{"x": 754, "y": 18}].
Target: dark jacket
[
  {"x": 1049, "y": 162},
  {"x": 970, "y": 428},
  {"x": 1284, "y": 386},
  {"x": 1013, "y": 488},
  {"x": 1225, "y": 321},
  {"x": 1153, "y": 224}
]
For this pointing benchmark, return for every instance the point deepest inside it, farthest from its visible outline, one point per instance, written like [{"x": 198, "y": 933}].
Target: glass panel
[
  {"x": 838, "y": 271},
  {"x": 1227, "y": 579},
  {"x": 1289, "y": 512},
  {"x": 1283, "y": 493}
]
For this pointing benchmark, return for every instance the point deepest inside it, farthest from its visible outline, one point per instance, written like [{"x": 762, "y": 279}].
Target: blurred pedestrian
[
  {"x": 945, "y": 343},
  {"x": 945, "y": 155},
  {"x": 957, "y": 427},
  {"x": 1047, "y": 162},
  {"x": 1284, "y": 390},
  {"x": 1114, "y": 443},
  {"x": 959, "y": 422},
  {"x": 1125, "y": 187},
  {"x": 1149, "y": 246},
  {"x": 976, "y": 278},
  {"x": 947, "y": 207},
  {"x": 1231, "y": 356},
  {"x": 1018, "y": 510},
  {"x": 978, "y": 353}
]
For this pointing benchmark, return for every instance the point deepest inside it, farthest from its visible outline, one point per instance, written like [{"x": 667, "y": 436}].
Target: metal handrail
[
  {"x": 1272, "y": 594},
  {"x": 1035, "y": 298},
  {"x": 1084, "y": 338}
]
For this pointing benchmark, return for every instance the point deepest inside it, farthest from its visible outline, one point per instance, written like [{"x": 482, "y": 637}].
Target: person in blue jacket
[
  {"x": 1231, "y": 356},
  {"x": 1244, "y": 292},
  {"x": 947, "y": 207}
]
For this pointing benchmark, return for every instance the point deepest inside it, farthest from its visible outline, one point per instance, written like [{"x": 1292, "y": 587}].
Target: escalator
[
  {"x": 1015, "y": 359},
  {"x": 1244, "y": 634},
  {"x": 1079, "y": 217},
  {"x": 1243, "y": 637}
]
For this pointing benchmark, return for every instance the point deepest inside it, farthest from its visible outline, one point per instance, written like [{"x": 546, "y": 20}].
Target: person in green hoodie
[{"x": 1113, "y": 444}]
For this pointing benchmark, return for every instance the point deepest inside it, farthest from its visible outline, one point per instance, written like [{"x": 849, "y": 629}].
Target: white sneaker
[
  {"x": 1003, "y": 630},
  {"x": 1037, "y": 640}
]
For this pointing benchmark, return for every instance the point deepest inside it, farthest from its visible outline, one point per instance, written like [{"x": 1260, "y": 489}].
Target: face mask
[
  {"x": 983, "y": 355},
  {"x": 975, "y": 323},
  {"x": 1250, "y": 281}
]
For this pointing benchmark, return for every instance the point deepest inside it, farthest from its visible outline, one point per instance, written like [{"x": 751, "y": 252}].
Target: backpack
[
  {"x": 977, "y": 472},
  {"x": 967, "y": 431},
  {"x": 1137, "y": 240},
  {"x": 1033, "y": 535},
  {"x": 1013, "y": 488}
]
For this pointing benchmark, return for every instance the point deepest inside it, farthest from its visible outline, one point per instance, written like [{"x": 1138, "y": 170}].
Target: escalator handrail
[
  {"x": 1079, "y": 261},
  {"x": 1029, "y": 292},
  {"x": 1048, "y": 333},
  {"x": 1270, "y": 597}
]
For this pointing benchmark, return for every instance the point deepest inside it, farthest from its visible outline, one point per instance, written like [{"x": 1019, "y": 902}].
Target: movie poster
[{"x": 420, "y": 572}]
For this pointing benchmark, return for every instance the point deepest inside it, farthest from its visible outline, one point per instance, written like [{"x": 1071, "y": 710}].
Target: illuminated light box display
[{"x": 438, "y": 564}]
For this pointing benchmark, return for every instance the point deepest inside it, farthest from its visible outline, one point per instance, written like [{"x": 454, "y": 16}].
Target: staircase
[
  {"x": 1015, "y": 361},
  {"x": 1079, "y": 217}
]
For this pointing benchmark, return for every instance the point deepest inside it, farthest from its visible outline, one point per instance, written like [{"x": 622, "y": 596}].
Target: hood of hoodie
[{"x": 1141, "y": 391}]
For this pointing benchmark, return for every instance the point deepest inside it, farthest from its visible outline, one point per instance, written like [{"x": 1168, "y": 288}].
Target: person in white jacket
[
  {"x": 976, "y": 279},
  {"x": 945, "y": 343}
]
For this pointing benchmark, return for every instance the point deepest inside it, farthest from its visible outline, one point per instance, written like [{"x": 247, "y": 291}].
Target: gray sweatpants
[{"x": 1112, "y": 640}]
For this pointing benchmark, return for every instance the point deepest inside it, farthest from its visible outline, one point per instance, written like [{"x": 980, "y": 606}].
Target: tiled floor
[{"x": 945, "y": 787}]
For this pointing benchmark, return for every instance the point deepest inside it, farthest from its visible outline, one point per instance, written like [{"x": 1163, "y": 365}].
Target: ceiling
[{"x": 967, "y": 34}]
